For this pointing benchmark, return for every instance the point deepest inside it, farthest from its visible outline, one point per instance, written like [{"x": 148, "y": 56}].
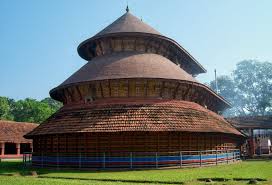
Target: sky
[{"x": 39, "y": 39}]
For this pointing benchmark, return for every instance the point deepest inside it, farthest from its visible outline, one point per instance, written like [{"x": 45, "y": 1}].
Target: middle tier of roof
[
  {"x": 123, "y": 74},
  {"x": 131, "y": 64}
]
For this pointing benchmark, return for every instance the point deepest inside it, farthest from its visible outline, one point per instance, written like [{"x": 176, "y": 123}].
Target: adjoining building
[
  {"x": 135, "y": 103},
  {"x": 12, "y": 142},
  {"x": 259, "y": 132}
]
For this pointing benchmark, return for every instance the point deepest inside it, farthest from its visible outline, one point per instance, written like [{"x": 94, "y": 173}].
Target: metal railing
[
  {"x": 134, "y": 159},
  {"x": 27, "y": 158}
]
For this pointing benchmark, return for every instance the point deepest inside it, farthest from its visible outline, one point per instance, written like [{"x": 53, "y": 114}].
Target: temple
[{"x": 135, "y": 104}]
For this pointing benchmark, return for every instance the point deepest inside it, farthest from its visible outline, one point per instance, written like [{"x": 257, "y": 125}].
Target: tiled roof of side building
[
  {"x": 257, "y": 122},
  {"x": 11, "y": 131},
  {"x": 116, "y": 115}
]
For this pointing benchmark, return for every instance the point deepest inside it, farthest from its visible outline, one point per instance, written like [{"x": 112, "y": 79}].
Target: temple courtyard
[{"x": 245, "y": 172}]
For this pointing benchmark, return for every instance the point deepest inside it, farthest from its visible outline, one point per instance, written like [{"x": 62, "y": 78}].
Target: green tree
[
  {"x": 5, "y": 108},
  {"x": 54, "y": 105},
  {"x": 30, "y": 110},
  {"x": 227, "y": 89},
  {"x": 249, "y": 89},
  {"x": 254, "y": 83}
]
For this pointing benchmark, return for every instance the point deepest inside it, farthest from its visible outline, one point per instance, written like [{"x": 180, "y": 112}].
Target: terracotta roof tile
[
  {"x": 11, "y": 131},
  {"x": 133, "y": 64},
  {"x": 128, "y": 23},
  {"x": 134, "y": 115},
  {"x": 252, "y": 122}
]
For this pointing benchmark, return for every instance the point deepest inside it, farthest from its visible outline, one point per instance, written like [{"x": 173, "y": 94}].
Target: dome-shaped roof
[
  {"x": 128, "y": 23},
  {"x": 129, "y": 65}
]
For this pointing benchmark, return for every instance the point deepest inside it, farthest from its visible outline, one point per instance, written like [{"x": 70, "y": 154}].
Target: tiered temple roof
[{"x": 135, "y": 80}]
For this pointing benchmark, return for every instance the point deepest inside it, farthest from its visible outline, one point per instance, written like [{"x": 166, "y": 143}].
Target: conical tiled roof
[
  {"x": 131, "y": 64},
  {"x": 128, "y": 23},
  {"x": 129, "y": 27}
]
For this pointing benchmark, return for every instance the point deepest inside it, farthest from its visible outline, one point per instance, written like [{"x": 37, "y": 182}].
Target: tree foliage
[
  {"x": 254, "y": 83},
  {"x": 227, "y": 89},
  {"x": 248, "y": 89},
  {"x": 53, "y": 104},
  {"x": 5, "y": 108},
  {"x": 27, "y": 110}
]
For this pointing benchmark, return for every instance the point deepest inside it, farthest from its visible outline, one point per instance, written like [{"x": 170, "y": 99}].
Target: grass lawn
[{"x": 12, "y": 173}]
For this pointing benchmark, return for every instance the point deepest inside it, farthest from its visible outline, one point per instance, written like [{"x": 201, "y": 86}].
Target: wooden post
[
  {"x": 200, "y": 157},
  {"x": 227, "y": 157},
  {"x": 79, "y": 161},
  {"x": 156, "y": 160},
  {"x": 216, "y": 157},
  {"x": 58, "y": 160},
  {"x": 104, "y": 160},
  {"x": 42, "y": 159},
  {"x": 24, "y": 163},
  {"x": 252, "y": 143},
  {"x": 180, "y": 155},
  {"x": 131, "y": 160}
]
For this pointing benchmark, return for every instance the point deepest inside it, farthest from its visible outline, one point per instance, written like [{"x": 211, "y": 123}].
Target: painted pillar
[
  {"x": 31, "y": 147},
  {"x": 251, "y": 144},
  {"x": 2, "y": 149},
  {"x": 18, "y": 148}
]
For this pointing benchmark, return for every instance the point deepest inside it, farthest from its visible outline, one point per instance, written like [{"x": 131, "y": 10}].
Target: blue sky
[{"x": 38, "y": 39}]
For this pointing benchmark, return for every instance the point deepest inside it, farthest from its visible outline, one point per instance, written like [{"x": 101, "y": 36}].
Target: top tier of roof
[
  {"x": 128, "y": 23},
  {"x": 130, "y": 32}
]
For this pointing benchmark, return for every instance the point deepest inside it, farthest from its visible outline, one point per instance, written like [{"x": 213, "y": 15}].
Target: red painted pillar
[
  {"x": 2, "y": 149},
  {"x": 18, "y": 148}
]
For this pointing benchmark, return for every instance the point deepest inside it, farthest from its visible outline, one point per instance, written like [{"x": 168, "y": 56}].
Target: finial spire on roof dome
[{"x": 127, "y": 9}]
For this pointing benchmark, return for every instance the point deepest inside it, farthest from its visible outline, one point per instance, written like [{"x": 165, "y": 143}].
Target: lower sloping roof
[
  {"x": 134, "y": 115},
  {"x": 11, "y": 131},
  {"x": 258, "y": 122}
]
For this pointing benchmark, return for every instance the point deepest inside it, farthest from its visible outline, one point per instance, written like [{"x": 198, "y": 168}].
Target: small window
[{"x": 10, "y": 148}]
